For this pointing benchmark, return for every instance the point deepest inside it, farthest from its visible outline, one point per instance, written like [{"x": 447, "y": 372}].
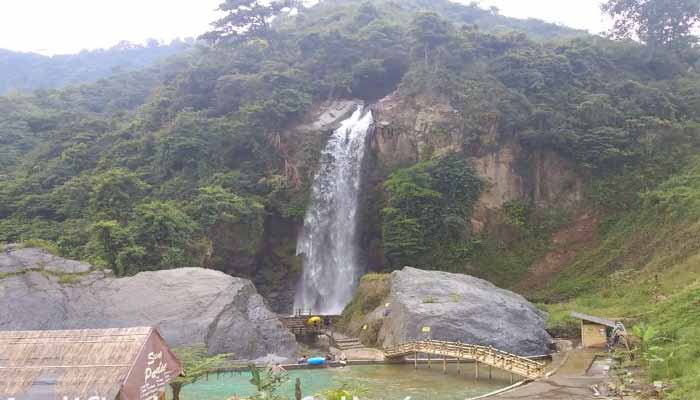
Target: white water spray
[{"x": 328, "y": 241}]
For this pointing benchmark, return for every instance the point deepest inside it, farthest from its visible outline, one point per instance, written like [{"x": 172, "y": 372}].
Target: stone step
[
  {"x": 349, "y": 343},
  {"x": 359, "y": 346}
]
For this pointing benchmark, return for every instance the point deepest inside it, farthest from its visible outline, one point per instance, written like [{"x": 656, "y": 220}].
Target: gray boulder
[
  {"x": 16, "y": 259},
  {"x": 188, "y": 306},
  {"x": 461, "y": 308}
]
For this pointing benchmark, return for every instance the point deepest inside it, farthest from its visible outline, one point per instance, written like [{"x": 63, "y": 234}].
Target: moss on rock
[{"x": 371, "y": 293}]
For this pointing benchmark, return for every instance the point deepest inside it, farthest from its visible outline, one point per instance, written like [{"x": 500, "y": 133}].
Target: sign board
[
  {"x": 365, "y": 327},
  {"x": 425, "y": 329},
  {"x": 154, "y": 368}
]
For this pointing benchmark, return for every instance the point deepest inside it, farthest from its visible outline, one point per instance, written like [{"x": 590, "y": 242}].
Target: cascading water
[{"x": 328, "y": 241}]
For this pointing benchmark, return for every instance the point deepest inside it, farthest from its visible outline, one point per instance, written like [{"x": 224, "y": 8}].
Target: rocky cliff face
[
  {"x": 457, "y": 308},
  {"x": 188, "y": 306},
  {"x": 413, "y": 129},
  {"x": 266, "y": 253},
  {"x": 409, "y": 129}
]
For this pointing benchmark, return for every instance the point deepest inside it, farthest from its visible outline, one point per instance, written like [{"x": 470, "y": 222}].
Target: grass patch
[
  {"x": 645, "y": 270},
  {"x": 506, "y": 264},
  {"x": 454, "y": 298},
  {"x": 4, "y": 275},
  {"x": 49, "y": 246},
  {"x": 63, "y": 278}
]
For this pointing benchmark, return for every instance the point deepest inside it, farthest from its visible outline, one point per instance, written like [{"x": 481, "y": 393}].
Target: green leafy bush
[{"x": 427, "y": 209}]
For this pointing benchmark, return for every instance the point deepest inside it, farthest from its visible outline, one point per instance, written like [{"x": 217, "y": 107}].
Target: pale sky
[{"x": 68, "y": 26}]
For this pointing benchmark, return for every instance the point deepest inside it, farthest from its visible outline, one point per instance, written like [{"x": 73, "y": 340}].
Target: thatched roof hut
[{"x": 90, "y": 364}]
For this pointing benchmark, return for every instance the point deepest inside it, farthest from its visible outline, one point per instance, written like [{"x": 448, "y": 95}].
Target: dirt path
[{"x": 570, "y": 382}]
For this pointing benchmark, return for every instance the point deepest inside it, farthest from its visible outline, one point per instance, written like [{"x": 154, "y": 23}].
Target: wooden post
[
  {"x": 477, "y": 369},
  {"x": 415, "y": 360},
  {"x": 444, "y": 364},
  {"x": 511, "y": 378},
  {"x": 459, "y": 356},
  {"x": 490, "y": 372},
  {"x": 429, "y": 361},
  {"x": 297, "y": 390}
]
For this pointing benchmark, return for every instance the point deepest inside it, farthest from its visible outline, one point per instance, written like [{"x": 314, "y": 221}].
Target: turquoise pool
[{"x": 382, "y": 382}]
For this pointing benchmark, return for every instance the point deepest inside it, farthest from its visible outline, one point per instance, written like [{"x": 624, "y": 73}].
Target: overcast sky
[{"x": 68, "y": 26}]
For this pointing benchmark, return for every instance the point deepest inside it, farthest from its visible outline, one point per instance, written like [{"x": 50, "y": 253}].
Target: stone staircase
[{"x": 346, "y": 343}]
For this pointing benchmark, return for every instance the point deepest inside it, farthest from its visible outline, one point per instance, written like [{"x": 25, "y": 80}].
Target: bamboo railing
[{"x": 505, "y": 361}]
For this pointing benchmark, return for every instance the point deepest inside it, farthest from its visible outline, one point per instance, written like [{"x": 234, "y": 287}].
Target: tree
[
  {"x": 115, "y": 192},
  {"x": 647, "y": 335},
  {"x": 366, "y": 14},
  {"x": 429, "y": 31},
  {"x": 246, "y": 19},
  {"x": 214, "y": 205},
  {"x": 164, "y": 231},
  {"x": 196, "y": 363},
  {"x": 110, "y": 238},
  {"x": 658, "y": 23}
]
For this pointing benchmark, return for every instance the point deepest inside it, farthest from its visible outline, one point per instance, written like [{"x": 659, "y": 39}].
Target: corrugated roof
[
  {"x": 591, "y": 318},
  {"x": 79, "y": 363}
]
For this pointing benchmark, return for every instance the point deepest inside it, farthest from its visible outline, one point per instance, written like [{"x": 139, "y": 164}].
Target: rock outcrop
[
  {"x": 188, "y": 306},
  {"x": 458, "y": 308},
  {"x": 412, "y": 129},
  {"x": 270, "y": 259}
]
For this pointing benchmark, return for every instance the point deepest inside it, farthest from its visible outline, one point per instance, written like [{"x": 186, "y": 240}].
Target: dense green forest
[
  {"x": 137, "y": 171},
  {"x": 145, "y": 170},
  {"x": 189, "y": 162},
  {"x": 30, "y": 71}
]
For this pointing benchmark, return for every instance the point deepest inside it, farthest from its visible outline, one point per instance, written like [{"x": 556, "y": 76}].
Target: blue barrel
[{"x": 317, "y": 361}]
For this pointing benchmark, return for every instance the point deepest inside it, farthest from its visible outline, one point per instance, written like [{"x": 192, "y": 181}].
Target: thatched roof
[{"x": 84, "y": 363}]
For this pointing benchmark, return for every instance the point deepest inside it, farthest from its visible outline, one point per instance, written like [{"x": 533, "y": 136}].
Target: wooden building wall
[{"x": 593, "y": 335}]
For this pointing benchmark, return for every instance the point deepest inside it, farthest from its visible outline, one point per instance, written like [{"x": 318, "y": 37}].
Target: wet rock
[
  {"x": 188, "y": 306},
  {"x": 461, "y": 308}
]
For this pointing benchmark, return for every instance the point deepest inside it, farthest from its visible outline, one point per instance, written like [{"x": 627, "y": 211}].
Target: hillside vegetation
[
  {"x": 142, "y": 171},
  {"x": 192, "y": 162}
]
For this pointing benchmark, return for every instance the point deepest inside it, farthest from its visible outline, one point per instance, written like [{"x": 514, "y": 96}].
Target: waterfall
[{"x": 328, "y": 240}]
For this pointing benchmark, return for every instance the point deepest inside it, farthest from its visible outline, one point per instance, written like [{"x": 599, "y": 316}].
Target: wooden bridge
[{"x": 508, "y": 362}]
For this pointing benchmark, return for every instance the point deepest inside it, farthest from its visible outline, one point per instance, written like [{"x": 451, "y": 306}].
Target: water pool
[{"x": 382, "y": 382}]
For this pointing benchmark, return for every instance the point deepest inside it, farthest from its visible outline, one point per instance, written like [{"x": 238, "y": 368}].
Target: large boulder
[
  {"x": 462, "y": 308},
  {"x": 189, "y": 306}
]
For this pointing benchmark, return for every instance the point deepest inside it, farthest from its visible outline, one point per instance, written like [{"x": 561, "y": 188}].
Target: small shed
[
  {"x": 89, "y": 364},
  {"x": 595, "y": 331}
]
